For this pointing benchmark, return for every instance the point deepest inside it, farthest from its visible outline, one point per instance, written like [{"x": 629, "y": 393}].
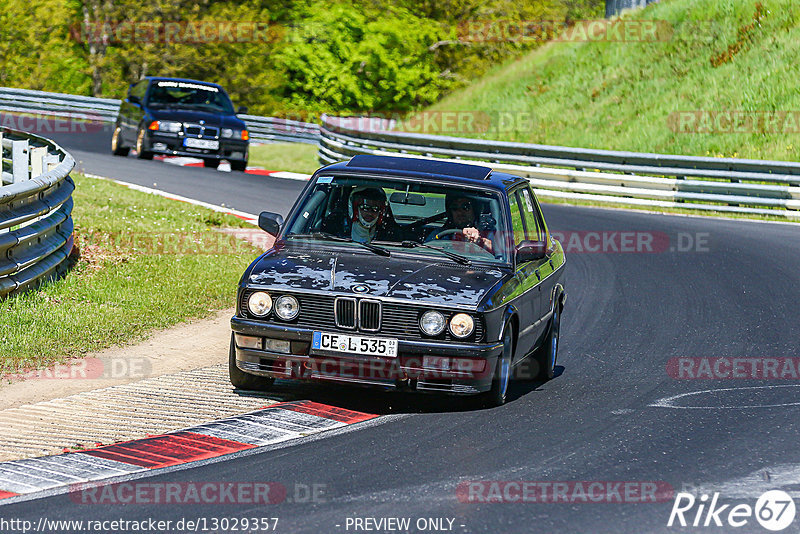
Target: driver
[{"x": 461, "y": 216}]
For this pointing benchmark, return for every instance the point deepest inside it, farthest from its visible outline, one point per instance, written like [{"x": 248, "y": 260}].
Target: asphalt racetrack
[{"x": 630, "y": 403}]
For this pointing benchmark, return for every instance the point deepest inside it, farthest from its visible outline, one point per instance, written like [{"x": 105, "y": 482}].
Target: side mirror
[
  {"x": 270, "y": 222},
  {"x": 530, "y": 251},
  {"x": 241, "y": 110}
]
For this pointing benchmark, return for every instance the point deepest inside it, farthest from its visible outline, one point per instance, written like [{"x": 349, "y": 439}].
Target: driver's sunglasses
[
  {"x": 370, "y": 209},
  {"x": 462, "y": 207}
]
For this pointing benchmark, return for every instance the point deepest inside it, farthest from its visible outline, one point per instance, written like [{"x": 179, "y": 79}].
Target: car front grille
[
  {"x": 198, "y": 130},
  {"x": 345, "y": 312},
  {"x": 350, "y": 314}
]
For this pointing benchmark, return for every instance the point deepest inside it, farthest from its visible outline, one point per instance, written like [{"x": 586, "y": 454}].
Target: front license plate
[
  {"x": 200, "y": 143},
  {"x": 367, "y": 346}
]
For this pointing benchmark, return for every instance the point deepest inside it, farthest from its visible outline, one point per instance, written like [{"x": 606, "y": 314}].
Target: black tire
[
  {"x": 238, "y": 165},
  {"x": 547, "y": 354},
  {"x": 241, "y": 380},
  {"x": 117, "y": 148},
  {"x": 502, "y": 371},
  {"x": 141, "y": 149},
  {"x": 211, "y": 163}
]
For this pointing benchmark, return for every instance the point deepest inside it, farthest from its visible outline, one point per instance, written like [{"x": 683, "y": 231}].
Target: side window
[
  {"x": 139, "y": 90},
  {"x": 517, "y": 226},
  {"x": 529, "y": 213}
]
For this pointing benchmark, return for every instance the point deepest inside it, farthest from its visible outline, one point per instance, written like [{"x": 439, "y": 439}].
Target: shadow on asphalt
[{"x": 385, "y": 402}]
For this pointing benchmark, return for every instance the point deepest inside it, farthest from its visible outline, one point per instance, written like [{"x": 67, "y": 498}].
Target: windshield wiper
[
  {"x": 330, "y": 237},
  {"x": 452, "y": 255}
]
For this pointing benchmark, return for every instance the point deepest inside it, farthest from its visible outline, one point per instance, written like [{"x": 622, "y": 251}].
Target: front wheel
[
  {"x": 211, "y": 163},
  {"x": 240, "y": 379},
  {"x": 502, "y": 372},
  {"x": 238, "y": 165},
  {"x": 117, "y": 148},
  {"x": 141, "y": 149}
]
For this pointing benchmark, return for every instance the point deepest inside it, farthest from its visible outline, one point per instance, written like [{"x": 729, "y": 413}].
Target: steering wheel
[
  {"x": 469, "y": 246},
  {"x": 448, "y": 231}
]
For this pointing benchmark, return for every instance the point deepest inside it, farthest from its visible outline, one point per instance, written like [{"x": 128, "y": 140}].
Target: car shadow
[{"x": 387, "y": 402}]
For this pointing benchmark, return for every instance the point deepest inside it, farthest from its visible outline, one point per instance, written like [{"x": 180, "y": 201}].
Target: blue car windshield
[
  {"x": 395, "y": 213},
  {"x": 188, "y": 95}
]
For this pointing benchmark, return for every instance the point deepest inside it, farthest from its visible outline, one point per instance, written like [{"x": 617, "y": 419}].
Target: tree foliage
[{"x": 339, "y": 57}]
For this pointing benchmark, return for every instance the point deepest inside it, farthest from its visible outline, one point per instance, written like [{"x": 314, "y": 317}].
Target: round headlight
[
  {"x": 461, "y": 325},
  {"x": 227, "y": 132},
  {"x": 259, "y": 304},
  {"x": 287, "y": 307},
  {"x": 432, "y": 323}
]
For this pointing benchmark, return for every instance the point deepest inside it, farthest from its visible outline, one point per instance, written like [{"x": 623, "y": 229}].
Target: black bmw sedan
[
  {"x": 179, "y": 117},
  {"x": 403, "y": 273}
]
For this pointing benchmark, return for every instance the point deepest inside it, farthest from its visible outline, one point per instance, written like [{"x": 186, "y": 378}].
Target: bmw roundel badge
[{"x": 360, "y": 288}]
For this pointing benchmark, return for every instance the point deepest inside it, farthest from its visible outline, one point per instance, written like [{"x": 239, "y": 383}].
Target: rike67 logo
[{"x": 774, "y": 510}]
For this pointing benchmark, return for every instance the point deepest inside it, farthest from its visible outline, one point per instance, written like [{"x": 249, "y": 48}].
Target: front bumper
[
  {"x": 410, "y": 370},
  {"x": 172, "y": 145}
]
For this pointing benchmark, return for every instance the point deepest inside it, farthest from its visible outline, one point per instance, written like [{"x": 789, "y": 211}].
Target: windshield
[
  {"x": 445, "y": 222},
  {"x": 187, "y": 95}
]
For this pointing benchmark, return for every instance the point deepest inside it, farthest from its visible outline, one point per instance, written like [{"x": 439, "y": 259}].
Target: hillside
[{"x": 719, "y": 79}]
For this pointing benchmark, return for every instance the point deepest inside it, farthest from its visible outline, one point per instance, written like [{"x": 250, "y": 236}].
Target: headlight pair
[
  {"x": 432, "y": 323},
  {"x": 260, "y": 304}
]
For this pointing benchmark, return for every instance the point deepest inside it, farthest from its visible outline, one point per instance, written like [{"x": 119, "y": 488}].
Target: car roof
[
  {"x": 187, "y": 80},
  {"x": 446, "y": 171}
]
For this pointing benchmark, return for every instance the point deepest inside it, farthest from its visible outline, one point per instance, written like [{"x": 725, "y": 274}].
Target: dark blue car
[
  {"x": 179, "y": 117},
  {"x": 452, "y": 284}
]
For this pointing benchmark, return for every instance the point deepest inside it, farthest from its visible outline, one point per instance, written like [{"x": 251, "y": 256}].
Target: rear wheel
[
  {"x": 502, "y": 371},
  {"x": 241, "y": 380},
  {"x": 210, "y": 163},
  {"x": 117, "y": 147},
  {"x": 141, "y": 149},
  {"x": 547, "y": 353}
]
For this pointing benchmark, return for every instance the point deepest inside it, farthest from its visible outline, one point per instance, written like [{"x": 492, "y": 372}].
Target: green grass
[
  {"x": 293, "y": 157},
  {"x": 625, "y": 95},
  {"x": 146, "y": 263}
]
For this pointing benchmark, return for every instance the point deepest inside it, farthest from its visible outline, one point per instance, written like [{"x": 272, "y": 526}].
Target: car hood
[
  {"x": 423, "y": 282},
  {"x": 188, "y": 115}
]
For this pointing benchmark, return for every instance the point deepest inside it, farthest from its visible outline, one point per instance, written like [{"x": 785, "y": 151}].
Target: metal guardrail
[
  {"x": 603, "y": 176},
  {"x": 35, "y": 210},
  {"x": 268, "y": 129}
]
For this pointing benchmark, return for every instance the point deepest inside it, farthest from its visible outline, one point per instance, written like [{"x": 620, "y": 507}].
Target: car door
[{"x": 533, "y": 301}]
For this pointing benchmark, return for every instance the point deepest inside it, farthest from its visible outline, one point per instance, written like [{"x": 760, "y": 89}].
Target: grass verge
[
  {"x": 146, "y": 263},
  {"x": 292, "y": 157}
]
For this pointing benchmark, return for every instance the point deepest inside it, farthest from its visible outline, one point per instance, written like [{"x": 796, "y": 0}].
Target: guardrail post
[
  {"x": 19, "y": 160},
  {"x": 37, "y": 160},
  {"x": 50, "y": 161}
]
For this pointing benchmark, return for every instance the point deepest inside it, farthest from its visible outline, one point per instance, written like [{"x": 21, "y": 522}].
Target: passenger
[
  {"x": 461, "y": 215},
  {"x": 370, "y": 218}
]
